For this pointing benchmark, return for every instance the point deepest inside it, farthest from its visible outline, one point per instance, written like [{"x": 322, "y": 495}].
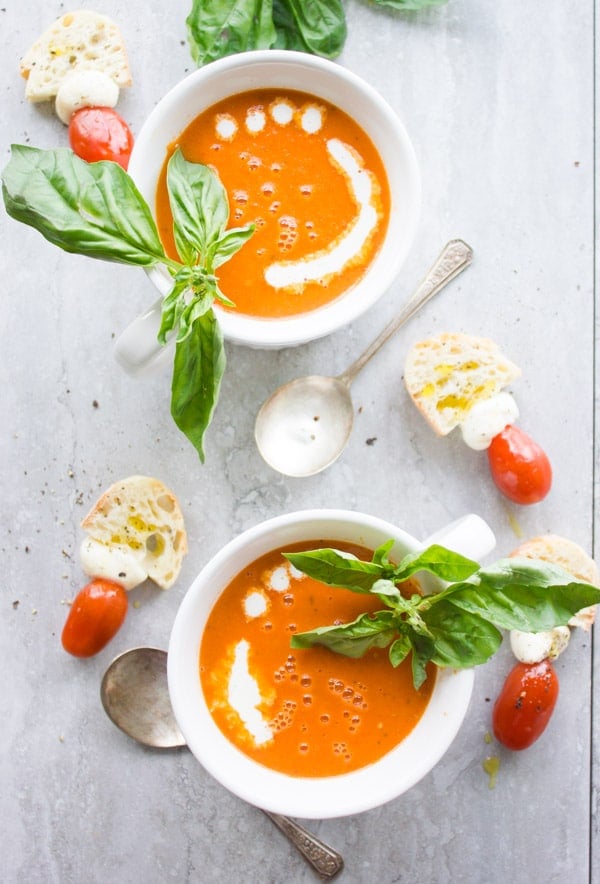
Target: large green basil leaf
[
  {"x": 523, "y": 594},
  {"x": 335, "y": 569},
  {"x": 197, "y": 372},
  {"x": 444, "y": 563},
  {"x": 461, "y": 639},
  {"x": 317, "y": 26},
  {"x": 91, "y": 209},
  {"x": 351, "y": 639},
  {"x": 223, "y": 27}
]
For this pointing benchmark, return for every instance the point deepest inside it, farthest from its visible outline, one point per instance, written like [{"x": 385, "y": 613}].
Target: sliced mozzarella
[
  {"x": 533, "y": 647},
  {"x": 113, "y": 562},
  {"x": 487, "y": 418},
  {"x": 85, "y": 89}
]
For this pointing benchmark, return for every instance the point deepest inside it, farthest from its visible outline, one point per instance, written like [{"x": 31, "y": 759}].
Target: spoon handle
[
  {"x": 452, "y": 260},
  {"x": 324, "y": 860}
]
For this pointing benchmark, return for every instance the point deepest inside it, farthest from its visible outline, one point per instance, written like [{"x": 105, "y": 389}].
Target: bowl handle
[
  {"x": 470, "y": 536},
  {"x": 137, "y": 349}
]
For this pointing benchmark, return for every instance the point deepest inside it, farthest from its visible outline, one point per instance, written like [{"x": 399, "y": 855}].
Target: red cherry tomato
[
  {"x": 99, "y": 133},
  {"x": 519, "y": 467},
  {"x": 95, "y": 617},
  {"x": 525, "y": 704}
]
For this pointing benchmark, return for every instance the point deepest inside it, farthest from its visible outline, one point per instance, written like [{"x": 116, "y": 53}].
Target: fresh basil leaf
[
  {"x": 334, "y": 569},
  {"x": 409, "y": 5},
  {"x": 317, "y": 26},
  {"x": 444, "y": 563},
  {"x": 91, "y": 209},
  {"x": 217, "y": 28},
  {"x": 199, "y": 206},
  {"x": 197, "y": 372},
  {"x": 387, "y": 591},
  {"x": 230, "y": 242},
  {"x": 523, "y": 606},
  {"x": 351, "y": 639},
  {"x": 399, "y": 650},
  {"x": 423, "y": 649},
  {"x": 380, "y": 556},
  {"x": 461, "y": 639}
]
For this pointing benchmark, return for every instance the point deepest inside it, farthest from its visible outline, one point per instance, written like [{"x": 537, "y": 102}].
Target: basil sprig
[
  {"x": 459, "y": 626},
  {"x": 95, "y": 209},
  {"x": 217, "y": 28}
]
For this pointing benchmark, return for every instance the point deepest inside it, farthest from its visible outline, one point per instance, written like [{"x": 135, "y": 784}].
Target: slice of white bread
[
  {"x": 140, "y": 517},
  {"x": 447, "y": 374},
  {"x": 82, "y": 39},
  {"x": 570, "y": 556}
]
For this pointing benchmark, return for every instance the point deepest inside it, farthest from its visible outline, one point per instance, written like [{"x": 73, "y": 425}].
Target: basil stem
[{"x": 459, "y": 626}]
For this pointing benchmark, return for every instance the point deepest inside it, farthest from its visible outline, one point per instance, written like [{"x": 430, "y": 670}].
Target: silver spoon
[
  {"x": 135, "y": 696},
  {"x": 304, "y": 426}
]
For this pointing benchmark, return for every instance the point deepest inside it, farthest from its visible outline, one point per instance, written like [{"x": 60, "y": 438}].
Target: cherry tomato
[
  {"x": 99, "y": 133},
  {"x": 525, "y": 704},
  {"x": 95, "y": 617},
  {"x": 519, "y": 467}
]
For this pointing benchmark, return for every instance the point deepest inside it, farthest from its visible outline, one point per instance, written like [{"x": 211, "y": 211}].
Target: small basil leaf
[
  {"x": 230, "y": 242},
  {"x": 91, "y": 209},
  {"x": 197, "y": 372},
  {"x": 380, "y": 556},
  {"x": 399, "y": 650},
  {"x": 461, "y": 639},
  {"x": 387, "y": 591},
  {"x": 331, "y": 568},
  {"x": 223, "y": 27},
  {"x": 351, "y": 639},
  {"x": 423, "y": 651}
]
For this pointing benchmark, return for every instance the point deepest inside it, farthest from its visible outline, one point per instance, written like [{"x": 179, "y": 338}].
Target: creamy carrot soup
[
  {"x": 311, "y": 181},
  {"x": 304, "y": 712}
]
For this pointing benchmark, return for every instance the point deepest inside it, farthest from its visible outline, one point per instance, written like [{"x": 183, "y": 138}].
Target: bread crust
[
  {"x": 447, "y": 374},
  {"x": 81, "y": 40}
]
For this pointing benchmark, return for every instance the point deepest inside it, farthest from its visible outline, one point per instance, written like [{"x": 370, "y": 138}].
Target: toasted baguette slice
[
  {"x": 570, "y": 556},
  {"x": 447, "y": 374},
  {"x": 140, "y": 516},
  {"x": 84, "y": 40}
]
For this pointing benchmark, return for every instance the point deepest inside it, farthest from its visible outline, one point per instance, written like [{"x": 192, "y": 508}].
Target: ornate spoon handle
[
  {"x": 452, "y": 260},
  {"x": 324, "y": 860}
]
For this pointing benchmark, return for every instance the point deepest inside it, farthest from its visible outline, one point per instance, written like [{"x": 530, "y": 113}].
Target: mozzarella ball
[
  {"x": 487, "y": 418},
  {"x": 533, "y": 647},
  {"x": 85, "y": 89},
  {"x": 113, "y": 562}
]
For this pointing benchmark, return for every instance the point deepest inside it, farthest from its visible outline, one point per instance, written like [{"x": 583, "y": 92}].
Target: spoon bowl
[
  {"x": 135, "y": 696},
  {"x": 304, "y": 426}
]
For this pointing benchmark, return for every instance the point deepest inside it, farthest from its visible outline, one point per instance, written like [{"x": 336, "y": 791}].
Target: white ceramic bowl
[
  {"x": 321, "y": 797},
  {"x": 331, "y": 82}
]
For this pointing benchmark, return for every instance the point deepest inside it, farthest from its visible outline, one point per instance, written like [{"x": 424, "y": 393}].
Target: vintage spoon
[
  {"x": 135, "y": 696},
  {"x": 304, "y": 426}
]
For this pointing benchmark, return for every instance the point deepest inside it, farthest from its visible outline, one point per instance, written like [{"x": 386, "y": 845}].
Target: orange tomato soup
[
  {"x": 304, "y": 712},
  {"x": 311, "y": 181}
]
